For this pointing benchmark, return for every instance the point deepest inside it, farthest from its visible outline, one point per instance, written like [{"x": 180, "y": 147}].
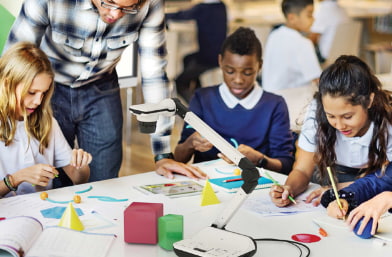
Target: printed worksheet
[{"x": 265, "y": 207}]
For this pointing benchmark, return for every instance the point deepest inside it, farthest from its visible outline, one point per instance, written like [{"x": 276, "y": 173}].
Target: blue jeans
[{"x": 92, "y": 114}]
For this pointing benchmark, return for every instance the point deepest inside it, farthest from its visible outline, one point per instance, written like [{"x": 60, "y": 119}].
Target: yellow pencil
[{"x": 334, "y": 188}]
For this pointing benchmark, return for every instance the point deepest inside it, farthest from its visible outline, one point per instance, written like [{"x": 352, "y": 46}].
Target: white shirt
[
  {"x": 19, "y": 155},
  {"x": 248, "y": 102},
  {"x": 327, "y": 16},
  {"x": 290, "y": 60},
  {"x": 350, "y": 151}
]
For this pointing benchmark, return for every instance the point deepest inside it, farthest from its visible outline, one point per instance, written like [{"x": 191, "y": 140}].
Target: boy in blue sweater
[
  {"x": 211, "y": 20},
  {"x": 241, "y": 111}
]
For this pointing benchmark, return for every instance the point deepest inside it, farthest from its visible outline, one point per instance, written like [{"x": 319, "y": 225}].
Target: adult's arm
[{"x": 31, "y": 23}]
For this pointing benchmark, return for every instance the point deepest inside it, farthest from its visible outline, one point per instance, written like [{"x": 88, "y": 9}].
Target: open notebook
[{"x": 24, "y": 236}]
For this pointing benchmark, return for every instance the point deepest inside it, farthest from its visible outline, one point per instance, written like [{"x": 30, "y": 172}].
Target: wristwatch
[
  {"x": 262, "y": 162},
  {"x": 161, "y": 156}
]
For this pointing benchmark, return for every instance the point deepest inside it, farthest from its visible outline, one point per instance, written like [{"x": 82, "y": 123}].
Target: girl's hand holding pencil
[
  {"x": 335, "y": 211},
  {"x": 280, "y": 195},
  {"x": 338, "y": 201}
]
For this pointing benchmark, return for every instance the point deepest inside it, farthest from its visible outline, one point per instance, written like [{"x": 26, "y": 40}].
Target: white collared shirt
[
  {"x": 353, "y": 151},
  {"x": 290, "y": 60},
  {"x": 23, "y": 153},
  {"x": 248, "y": 102},
  {"x": 350, "y": 151}
]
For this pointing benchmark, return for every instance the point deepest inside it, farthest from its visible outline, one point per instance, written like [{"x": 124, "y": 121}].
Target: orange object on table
[{"x": 321, "y": 230}]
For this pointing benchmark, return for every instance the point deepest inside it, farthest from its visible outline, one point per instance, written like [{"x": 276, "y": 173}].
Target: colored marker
[
  {"x": 232, "y": 180},
  {"x": 335, "y": 191},
  {"x": 277, "y": 183},
  {"x": 2, "y": 218},
  {"x": 321, "y": 230}
]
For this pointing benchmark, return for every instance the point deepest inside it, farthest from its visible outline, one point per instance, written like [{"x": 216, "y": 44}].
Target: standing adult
[{"x": 84, "y": 40}]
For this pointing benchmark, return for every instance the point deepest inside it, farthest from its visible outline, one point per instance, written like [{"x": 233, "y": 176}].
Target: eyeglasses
[{"x": 134, "y": 9}]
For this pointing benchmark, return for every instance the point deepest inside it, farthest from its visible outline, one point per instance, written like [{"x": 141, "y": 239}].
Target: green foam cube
[{"x": 170, "y": 230}]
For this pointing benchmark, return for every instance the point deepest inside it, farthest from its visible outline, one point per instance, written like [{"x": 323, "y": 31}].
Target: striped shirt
[{"x": 82, "y": 48}]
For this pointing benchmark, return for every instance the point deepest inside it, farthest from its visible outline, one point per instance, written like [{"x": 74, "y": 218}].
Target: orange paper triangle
[{"x": 208, "y": 195}]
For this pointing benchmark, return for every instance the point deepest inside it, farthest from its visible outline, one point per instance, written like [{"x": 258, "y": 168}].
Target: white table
[{"x": 340, "y": 242}]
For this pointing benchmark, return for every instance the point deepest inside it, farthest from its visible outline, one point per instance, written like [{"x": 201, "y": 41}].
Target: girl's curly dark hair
[{"x": 351, "y": 78}]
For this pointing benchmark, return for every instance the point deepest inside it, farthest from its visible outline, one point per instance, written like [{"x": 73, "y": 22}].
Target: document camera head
[{"x": 148, "y": 114}]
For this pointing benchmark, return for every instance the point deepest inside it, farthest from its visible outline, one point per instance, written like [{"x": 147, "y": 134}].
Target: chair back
[
  {"x": 297, "y": 100},
  {"x": 6, "y": 21},
  {"x": 346, "y": 41}
]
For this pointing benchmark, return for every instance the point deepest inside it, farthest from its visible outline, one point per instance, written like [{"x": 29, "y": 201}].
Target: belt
[
  {"x": 107, "y": 76},
  {"x": 347, "y": 170}
]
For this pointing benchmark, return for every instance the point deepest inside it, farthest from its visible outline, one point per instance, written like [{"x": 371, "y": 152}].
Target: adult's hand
[{"x": 169, "y": 167}]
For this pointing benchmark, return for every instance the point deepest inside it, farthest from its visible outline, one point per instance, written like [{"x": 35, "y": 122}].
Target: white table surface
[{"x": 340, "y": 242}]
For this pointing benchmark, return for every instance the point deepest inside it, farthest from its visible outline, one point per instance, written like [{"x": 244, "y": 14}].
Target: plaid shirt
[{"x": 82, "y": 48}]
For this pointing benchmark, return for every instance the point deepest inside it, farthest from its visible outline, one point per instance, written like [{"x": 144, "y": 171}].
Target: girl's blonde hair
[{"x": 20, "y": 65}]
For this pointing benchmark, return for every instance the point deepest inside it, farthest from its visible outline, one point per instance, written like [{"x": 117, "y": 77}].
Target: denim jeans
[{"x": 92, "y": 114}]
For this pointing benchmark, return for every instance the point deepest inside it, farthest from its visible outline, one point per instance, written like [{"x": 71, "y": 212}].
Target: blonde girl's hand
[
  {"x": 280, "y": 195},
  {"x": 39, "y": 174},
  {"x": 333, "y": 209},
  {"x": 80, "y": 158}
]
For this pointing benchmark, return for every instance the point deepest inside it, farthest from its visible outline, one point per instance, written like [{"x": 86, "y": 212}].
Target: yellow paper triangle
[
  {"x": 70, "y": 219},
  {"x": 208, "y": 195}
]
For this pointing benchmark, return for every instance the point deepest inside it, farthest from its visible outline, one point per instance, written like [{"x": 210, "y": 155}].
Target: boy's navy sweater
[{"x": 265, "y": 128}]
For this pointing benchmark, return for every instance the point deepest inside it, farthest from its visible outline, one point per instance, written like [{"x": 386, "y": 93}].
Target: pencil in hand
[
  {"x": 335, "y": 191},
  {"x": 277, "y": 183}
]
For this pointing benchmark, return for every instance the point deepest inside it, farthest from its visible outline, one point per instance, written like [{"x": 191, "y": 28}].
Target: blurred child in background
[{"x": 290, "y": 59}]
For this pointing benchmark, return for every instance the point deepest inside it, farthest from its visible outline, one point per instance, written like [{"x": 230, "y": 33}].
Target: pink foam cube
[{"x": 141, "y": 222}]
